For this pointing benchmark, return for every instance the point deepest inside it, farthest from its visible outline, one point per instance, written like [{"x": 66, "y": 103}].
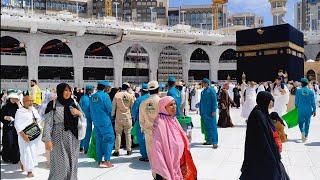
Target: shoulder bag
[
  {"x": 33, "y": 130},
  {"x": 82, "y": 123}
]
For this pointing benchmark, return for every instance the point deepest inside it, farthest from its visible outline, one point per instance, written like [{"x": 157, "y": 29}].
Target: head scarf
[
  {"x": 70, "y": 122},
  {"x": 163, "y": 103},
  {"x": 263, "y": 100},
  {"x": 167, "y": 147}
]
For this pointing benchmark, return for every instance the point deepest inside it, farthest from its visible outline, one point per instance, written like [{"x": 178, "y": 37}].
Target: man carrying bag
[{"x": 26, "y": 124}]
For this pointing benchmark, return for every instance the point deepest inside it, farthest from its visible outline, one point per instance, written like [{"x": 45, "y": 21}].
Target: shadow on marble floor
[
  {"x": 10, "y": 171},
  {"x": 294, "y": 140},
  {"x": 200, "y": 145},
  {"x": 313, "y": 144},
  {"x": 139, "y": 165},
  {"x": 240, "y": 126}
]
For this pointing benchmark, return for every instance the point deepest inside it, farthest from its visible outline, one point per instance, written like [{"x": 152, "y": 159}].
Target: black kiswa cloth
[
  {"x": 70, "y": 122},
  {"x": 262, "y": 159}
]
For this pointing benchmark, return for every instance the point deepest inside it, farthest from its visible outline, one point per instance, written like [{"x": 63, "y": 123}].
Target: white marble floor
[{"x": 302, "y": 160}]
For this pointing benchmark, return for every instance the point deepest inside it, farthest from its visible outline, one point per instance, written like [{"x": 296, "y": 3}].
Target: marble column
[
  {"x": 78, "y": 64},
  {"x": 33, "y": 55},
  {"x": 214, "y": 65},
  {"x": 153, "y": 64},
  {"x": 118, "y": 52}
]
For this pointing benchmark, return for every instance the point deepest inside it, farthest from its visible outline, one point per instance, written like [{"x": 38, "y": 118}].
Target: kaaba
[{"x": 262, "y": 52}]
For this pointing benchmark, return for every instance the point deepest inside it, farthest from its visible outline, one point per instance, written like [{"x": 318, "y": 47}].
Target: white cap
[
  {"x": 13, "y": 95},
  {"x": 152, "y": 85},
  {"x": 128, "y": 84}
]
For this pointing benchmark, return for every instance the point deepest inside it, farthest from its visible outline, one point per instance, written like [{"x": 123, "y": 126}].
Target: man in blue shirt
[
  {"x": 305, "y": 103},
  {"x": 85, "y": 106},
  {"x": 100, "y": 110},
  {"x": 175, "y": 93},
  {"x": 208, "y": 109},
  {"x": 135, "y": 117}
]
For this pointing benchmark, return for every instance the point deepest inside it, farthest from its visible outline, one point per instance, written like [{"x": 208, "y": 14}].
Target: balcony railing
[
  {"x": 109, "y": 78},
  {"x": 199, "y": 61},
  {"x": 98, "y": 57},
  {"x": 135, "y": 78},
  {"x": 136, "y": 61},
  {"x": 56, "y": 81},
  {"x": 228, "y": 61},
  {"x": 56, "y": 55},
  {"x": 13, "y": 80},
  {"x": 13, "y": 54}
]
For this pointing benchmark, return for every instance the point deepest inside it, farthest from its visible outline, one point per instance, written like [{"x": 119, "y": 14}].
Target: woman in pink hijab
[{"x": 170, "y": 157}]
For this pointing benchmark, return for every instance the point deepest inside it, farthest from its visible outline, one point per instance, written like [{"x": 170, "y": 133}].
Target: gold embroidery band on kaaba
[{"x": 271, "y": 46}]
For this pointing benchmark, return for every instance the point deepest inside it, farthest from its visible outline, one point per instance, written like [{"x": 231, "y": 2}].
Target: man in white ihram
[
  {"x": 281, "y": 97},
  {"x": 24, "y": 117}
]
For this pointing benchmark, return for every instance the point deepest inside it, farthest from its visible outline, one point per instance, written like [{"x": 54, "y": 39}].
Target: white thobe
[
  {"x": 280, "y": 100},
  {"x": 196, "y": 99},
  {"x": 28, "y": 150},
  {"x": 261, "y": 88},
  {"x": 230, "y": 90},
  {"x": 185, "y": 100},
  {"x": 249, "y": 102}
]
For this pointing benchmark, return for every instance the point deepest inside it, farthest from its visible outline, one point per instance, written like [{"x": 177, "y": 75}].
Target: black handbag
[{"x": 33, "y": 130}]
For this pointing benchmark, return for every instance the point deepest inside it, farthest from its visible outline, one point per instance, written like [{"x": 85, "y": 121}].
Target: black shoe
[
  {"x": 215, "y": 146},
  {"x": 129, "y": 153},
  {"x": 144, "y": 159},
  {"x": 115, "y": 153},
  {"x": 85, "y": 152},
  {"x": 81, "y": 150},
  {"x": 207, "y": 144}
]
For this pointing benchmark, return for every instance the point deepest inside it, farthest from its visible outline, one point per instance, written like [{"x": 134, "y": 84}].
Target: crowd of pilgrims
[{"x": 155, "y": 121}]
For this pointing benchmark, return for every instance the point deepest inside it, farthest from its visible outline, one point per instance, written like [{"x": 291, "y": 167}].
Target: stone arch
[
  {"x": 136, "y": 53},
  {"x": 98, "y": 49},
  {"x": 11, "y": 45},
  {"x": 136, "y": 65},
  {"x": 228, "y": 56},
  {"x": 199, "y": 55},
  {"x": 170, "y": 64},
  {"x": 56, "y": 47}
]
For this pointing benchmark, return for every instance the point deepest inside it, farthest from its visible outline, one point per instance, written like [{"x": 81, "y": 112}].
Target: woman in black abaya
[
  {"x": 262, "y": 160},
  {"x": 10, "y": 151}
]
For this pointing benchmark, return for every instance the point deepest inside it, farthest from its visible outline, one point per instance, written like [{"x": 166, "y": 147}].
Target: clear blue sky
[{"x": 260, "y": 7}]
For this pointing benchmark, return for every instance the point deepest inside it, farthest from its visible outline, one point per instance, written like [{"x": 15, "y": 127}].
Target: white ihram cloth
[
  {"x": 185, "y": 100},
  {"x": 230, "y": 90},
  {"x": 196, "y": 99},
  {"x": 280, "y": 100},
  {"x": 28, "y": 150},
  {"x": 261, "y": 88},
  {"x": 249, "y": 102}
]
